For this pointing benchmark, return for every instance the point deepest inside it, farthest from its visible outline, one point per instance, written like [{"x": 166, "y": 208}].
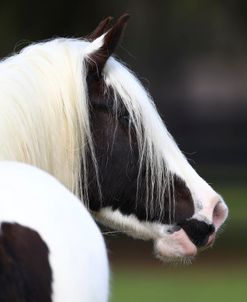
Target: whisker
[{"x": 111, "y": 232}]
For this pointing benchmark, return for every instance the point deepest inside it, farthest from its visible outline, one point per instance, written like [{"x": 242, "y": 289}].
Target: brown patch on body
[{"x": 25, "y": 273}]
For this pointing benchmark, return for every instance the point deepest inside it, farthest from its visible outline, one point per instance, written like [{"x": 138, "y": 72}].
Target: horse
[
  {"x": 50, "y": 246},
  {"x": 69, "y": 107}
]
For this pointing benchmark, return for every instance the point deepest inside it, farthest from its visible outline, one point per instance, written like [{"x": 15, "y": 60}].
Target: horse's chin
[{"x": 177, "y": 247}]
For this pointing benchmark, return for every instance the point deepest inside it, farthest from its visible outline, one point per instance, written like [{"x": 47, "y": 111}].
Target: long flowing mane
[
  {"x": 44, "y": 110},
  {"x": 43, "y": 103}
]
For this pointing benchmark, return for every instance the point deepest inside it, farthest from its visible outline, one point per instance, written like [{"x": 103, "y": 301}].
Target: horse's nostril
[
  {"x": 219, "y": 214},
  {"x": 211, "y": 229}
]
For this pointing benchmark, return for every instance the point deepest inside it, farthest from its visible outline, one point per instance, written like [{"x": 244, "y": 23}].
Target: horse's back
[{"x": 32, "y": 200}]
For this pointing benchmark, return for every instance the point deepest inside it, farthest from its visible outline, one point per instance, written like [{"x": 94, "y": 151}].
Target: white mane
[
  {"x": 44, "y": 111},
  {"x": 45, "y": 122}
]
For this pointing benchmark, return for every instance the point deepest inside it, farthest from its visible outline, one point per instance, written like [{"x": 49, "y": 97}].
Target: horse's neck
[{"x": 37, "y": 124}]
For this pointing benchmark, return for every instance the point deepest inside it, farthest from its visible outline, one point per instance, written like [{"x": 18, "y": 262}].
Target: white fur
[
  {"x": 131, "y": 225},
  {"x": 78, "y": 259}
]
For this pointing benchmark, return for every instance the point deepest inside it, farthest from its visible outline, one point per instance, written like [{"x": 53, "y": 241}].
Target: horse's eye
[{"x": 124, "y": 117}]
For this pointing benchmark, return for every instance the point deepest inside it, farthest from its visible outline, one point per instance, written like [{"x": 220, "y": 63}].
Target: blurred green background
[{"x": 192, "y": 56}]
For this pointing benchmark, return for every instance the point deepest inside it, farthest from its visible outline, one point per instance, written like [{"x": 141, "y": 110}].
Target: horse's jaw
[{"x": 169, "y": 245}]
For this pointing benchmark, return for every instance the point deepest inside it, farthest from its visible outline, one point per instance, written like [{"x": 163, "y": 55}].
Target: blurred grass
[
  {"x": 235, "y": 228},
  {"x": 219, "y": 274},
  {"x": 235, "y": 196},
  {"x": 194, "y": 285}
]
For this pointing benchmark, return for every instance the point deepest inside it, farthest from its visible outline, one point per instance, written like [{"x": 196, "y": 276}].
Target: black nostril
[
  {"x": 211, "y": 228},
  {"x": 198, "y": 231}
]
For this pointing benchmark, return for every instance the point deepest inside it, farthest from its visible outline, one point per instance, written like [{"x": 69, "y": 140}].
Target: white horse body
[{"x": 77, "y": 253}]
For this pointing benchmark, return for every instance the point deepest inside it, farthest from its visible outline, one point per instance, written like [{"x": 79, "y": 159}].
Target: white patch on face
[
  {"x": 167, "y": 245},
  {"x": 130, "y": 225}
]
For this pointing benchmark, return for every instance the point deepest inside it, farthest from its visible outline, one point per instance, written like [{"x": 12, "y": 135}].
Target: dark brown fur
[
  {"x": 100, "y": 29},
  {"x": 25, "y": 273}
]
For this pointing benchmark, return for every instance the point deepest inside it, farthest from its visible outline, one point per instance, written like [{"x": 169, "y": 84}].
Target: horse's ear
[
  {"x": 98, "y": 58},
  {"x": 100, "y": 29}
]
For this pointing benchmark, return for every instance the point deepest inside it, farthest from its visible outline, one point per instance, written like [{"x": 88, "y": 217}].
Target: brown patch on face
[
  {"x": 184, "y": 208},
  {"x": 25, "y": 273}
]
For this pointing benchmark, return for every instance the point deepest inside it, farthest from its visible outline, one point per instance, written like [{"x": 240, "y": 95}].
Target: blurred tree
[{"x": 194, "y": 52}]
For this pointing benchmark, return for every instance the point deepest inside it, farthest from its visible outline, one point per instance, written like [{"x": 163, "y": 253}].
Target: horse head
[
  {"x": 82, "y": 116},
  {"x": 140, "y": 182}
]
